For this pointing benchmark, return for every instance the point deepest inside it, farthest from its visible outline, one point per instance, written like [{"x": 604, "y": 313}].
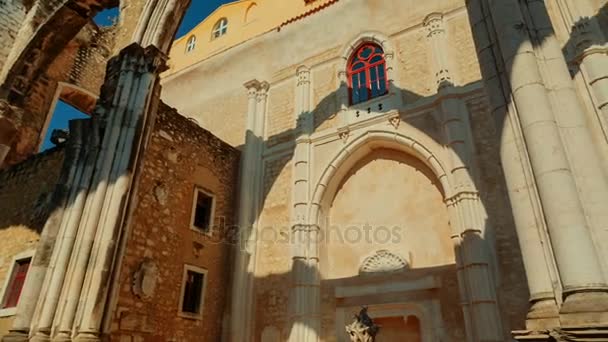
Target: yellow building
[{"x": 234, "y": 23}]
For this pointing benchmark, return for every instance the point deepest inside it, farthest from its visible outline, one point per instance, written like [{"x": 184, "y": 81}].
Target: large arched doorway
[
  {"x": 386, "y": 244},
  {"x": 389, "y": 201}
]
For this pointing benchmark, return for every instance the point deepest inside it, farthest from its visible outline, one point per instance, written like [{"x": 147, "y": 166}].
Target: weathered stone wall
[
  {"x": 275, "y": 57},
  {"x": 12, "y": 13},
  {"x": 25, "y": 194},
  {"x": 180, "y": 157}
]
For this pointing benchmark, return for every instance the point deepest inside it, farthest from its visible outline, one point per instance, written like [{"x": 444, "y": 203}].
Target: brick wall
[
  {"x": 12, "y": 13},
  {"x": 180, "y": 156}
]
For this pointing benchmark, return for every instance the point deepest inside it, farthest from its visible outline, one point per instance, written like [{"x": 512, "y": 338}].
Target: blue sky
[{"x": 198, "y": 10}]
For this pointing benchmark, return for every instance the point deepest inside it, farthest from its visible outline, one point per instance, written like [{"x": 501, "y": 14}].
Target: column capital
[
  {"x": 433, "y": 24},
  {"x": 252, "y": 87},
  {"x": 303, "y": 75}
]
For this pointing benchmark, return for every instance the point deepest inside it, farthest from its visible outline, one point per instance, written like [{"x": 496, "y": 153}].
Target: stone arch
[
  {"x": 361, "y": 146},
  {"x": 42, "y": 43}
]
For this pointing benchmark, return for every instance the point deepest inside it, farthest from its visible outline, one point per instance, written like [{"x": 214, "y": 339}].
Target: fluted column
[
  {"x": 575, "y": 253},
  {"x": 474, "y": 257},
  {"x": 125, "y": 135},
  {"x": 78, "y": 147},
  {"x": 305, "y": 297},
  {"x": 525, "y": 204},
  {"x": 241, "y": 325},
  {"x": 576, "y": 134}
]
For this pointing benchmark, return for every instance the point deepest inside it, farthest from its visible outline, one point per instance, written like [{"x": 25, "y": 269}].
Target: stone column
[
  {"x": 576, "y": 134},
  {"x": 561, "y": 203},
  {"x": 242, "y": 290},
  {"x": 63, "y": 245},
  {"x": 77, "y": 148},
  {"x": 123, "y": 142},
  {"x": 305, "y": 295},
  {"x": 525, "y": 204},
  {"x": 474, "y": 257}
]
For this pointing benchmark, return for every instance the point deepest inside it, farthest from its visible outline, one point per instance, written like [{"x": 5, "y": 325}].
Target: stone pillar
[
  {"x": 561, "y": 203},
  {"x": 474, "y": 257},
  {"x": 241, "y": 326},
  {"x": 135, "y": 90},
  {"x": 76, "y": 151},
  {"x": 576, "y": 135},
  {"x": 93, "y": 217},
  {"x": 158, "y": 23},
  {"x": 525, "y": 204},
  {"x": 63, "y": 245},
  {"x": 305, "y": 297}
]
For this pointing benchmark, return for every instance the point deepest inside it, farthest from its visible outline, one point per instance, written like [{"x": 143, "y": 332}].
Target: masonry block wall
[
  {"x": 181, "y": 157},
  {"x": 26, "y": 191},
  {"x": 276, "y": 56},
  {"x": 12, "y": 13}
]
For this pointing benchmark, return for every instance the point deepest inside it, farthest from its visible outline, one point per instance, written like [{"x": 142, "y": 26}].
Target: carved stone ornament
[
  {"x": 383, "y": 261},
  {"x": 363, "y": 328},
  {"x": 344, "y": 133},
  {"x": 145, "y": 279},
  {"x": 394, "y": 120}
]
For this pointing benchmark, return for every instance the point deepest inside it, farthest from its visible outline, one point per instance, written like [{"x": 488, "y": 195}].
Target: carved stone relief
[{"x": 383, "y": 261}]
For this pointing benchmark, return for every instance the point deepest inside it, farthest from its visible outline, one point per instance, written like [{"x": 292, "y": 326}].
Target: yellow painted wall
[{"x": 246, "y": 19}]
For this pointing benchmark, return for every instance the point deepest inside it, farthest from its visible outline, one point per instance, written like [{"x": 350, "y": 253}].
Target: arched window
[
  {"x": 251, "y": 13},
  {"x": 367, "y": 73},
  {"x": 191, "y": 44},
  {"x": 220, "y": 28}
]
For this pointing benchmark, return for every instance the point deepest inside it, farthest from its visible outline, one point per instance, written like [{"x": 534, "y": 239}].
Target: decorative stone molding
[
  {"x": 145, "y": 279},
  {"x": 303, "y": 75},
  {"x": 344, "y": 133},
  {"x": 433, "y": 23},
  {"x": 383, "y": 261},
  {"x": 394, "y": 120}
]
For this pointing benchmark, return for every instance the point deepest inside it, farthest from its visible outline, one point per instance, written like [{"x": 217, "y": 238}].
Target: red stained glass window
[
  {"x": 367, "y": 73},
  {"x": 15, "y": 285}
]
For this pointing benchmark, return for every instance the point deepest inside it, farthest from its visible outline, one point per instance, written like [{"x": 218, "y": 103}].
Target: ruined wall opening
[
  {"x": 69, "y": 103},
  {"x": 107, "y": 17}
]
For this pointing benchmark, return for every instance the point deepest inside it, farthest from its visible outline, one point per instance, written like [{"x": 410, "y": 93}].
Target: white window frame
[
  {"x": 209, "y": 230},
  {"x": 28, "y": 254},
  {"x": 199, "y": 315},
  {"x": 220, "y": 28},
  {"x": 191, "y": 43}
]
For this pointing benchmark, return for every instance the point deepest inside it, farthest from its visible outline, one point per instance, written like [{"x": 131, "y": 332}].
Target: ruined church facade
[{"x": 285, "y": 163}]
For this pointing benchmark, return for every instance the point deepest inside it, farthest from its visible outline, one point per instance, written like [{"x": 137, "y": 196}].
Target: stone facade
[
  {"x": 26, "y": 197},
  {"x": 181, "y": 157},
  {"x": 466, "y": 203}
]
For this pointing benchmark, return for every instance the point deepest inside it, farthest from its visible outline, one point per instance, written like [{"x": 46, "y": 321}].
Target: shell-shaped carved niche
[{"x": 383, "y": 261}]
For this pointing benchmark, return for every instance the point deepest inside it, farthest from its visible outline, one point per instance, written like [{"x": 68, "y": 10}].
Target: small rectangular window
[
  {"x": 15, "y": 284},
  {"x": 202, "y": 216},
  {"x": 193, "y": 292}
]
